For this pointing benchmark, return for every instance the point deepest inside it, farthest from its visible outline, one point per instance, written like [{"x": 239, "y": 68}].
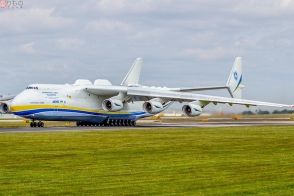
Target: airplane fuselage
[{"x": 69, "y": 103}]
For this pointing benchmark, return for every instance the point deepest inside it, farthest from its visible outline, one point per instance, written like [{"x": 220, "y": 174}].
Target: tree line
[{"x": 285, "y": 111}]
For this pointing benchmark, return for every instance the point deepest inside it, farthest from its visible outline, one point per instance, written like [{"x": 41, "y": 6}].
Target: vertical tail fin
[
  {"x": 133, "y": 76},
  {"x": 234, "y": 82}
]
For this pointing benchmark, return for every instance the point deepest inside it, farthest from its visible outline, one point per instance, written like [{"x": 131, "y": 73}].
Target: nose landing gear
[{"x": 36, "y": 124}]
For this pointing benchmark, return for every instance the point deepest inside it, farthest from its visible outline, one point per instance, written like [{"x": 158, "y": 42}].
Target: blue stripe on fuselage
[
  {"x": 30, "y": 112},
  {"x": 58, "y": 114}
]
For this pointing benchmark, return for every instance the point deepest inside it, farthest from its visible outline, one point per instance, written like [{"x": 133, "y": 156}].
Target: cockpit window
[{"x": 32, "y": 87}]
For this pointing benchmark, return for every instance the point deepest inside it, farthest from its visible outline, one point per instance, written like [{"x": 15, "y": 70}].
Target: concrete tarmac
[{"x": 147, "y": 125}]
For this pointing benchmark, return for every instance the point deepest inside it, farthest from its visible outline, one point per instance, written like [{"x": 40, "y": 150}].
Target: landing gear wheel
[
  {"x": 115, "y": 122},
  {"x": 133, "y": 123},
  {"x": 121, "y": 122},
  {"x": 40, "y": 124},
  {"x": 125, "y": 123},
  {"x": 110, "y": 123},
  {"x": 34, "y": 124}
]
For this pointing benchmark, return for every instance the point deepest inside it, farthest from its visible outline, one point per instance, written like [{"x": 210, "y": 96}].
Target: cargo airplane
[{"x": 103, "y": 104}]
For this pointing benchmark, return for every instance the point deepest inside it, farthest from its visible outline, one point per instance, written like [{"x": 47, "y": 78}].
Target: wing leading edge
[{"x": 187, "y": 97}]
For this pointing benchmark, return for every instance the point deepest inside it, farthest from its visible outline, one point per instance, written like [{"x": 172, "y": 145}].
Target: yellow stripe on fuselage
[{"x": 22, "y": 108}]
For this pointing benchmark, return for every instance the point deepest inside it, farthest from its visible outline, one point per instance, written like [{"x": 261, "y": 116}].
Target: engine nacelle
[
  {"x": 4, "y": 108},
  {"x": 192, "y": 109},
  {"x": 112, "y": 105},
  {"x": 153, "y": 107}
]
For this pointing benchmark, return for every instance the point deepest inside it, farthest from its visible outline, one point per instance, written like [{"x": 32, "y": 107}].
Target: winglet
[{"x": 133, "y": 76}]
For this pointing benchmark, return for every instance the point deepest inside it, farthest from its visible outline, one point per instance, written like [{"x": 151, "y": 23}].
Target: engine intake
[
  {"x": 112, "y": 105},
  {"x": 192, "y": 109},
  {"x": 153, "y": 107},
  {"x": 4, "y": 108}
]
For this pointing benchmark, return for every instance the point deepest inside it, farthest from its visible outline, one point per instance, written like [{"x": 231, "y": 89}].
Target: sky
[{"x": 183, "y": 43}]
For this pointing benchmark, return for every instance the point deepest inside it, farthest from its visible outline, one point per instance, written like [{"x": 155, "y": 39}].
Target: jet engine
[
  {"x": 112, "y": 105},
  {"x": 4, "y": 108},
  {"x": 192, "y": 109},
  {"x": 153, "y": 107}
]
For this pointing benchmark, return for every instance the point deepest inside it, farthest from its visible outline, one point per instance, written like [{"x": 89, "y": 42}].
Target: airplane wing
[
  {"x": 6, "y": 97},
  {"x": 114, "y": 90},
  {"x": 145, "y": 94},
  {"x": 188, "y": 97}
]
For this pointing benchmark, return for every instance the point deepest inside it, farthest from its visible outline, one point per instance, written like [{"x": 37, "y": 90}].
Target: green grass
[
  {"x": 196, "y": 161},
  {"x": 11, "y": 123}
]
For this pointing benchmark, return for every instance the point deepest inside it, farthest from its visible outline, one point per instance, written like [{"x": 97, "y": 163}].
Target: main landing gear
[
  {"x": 36, "y": 124},
  {"x": 108, "y": 123}
]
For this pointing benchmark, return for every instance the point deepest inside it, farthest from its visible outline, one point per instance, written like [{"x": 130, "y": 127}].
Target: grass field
[{"x": 194, "y": 161}]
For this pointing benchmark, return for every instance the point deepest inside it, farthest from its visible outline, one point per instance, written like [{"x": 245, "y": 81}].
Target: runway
[{"x": 148, "y": 125}]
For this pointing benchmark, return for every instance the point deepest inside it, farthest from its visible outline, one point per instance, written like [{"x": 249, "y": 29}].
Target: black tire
[
  {"x": 125, "y": 123},
  {"x": 133, "y": 123},
  {"x": 40, "y": 124}
]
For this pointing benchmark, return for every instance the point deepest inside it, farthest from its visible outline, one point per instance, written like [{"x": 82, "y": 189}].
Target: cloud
[
  {"x": 270, "y": 8},
  {"x": 28, "y": 48},
  {"x": 206, "y": 54},
  {"x": 32, "y": 20},
  {"x": 191, "y": 37},
  {"x": 107, "y": 26},
  {"x": 69, "y": 43},
  {"x": 125, "y": 6}
]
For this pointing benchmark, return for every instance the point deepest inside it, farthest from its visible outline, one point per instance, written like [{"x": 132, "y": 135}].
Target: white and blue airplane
[{"x": 103, "y": 104}]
